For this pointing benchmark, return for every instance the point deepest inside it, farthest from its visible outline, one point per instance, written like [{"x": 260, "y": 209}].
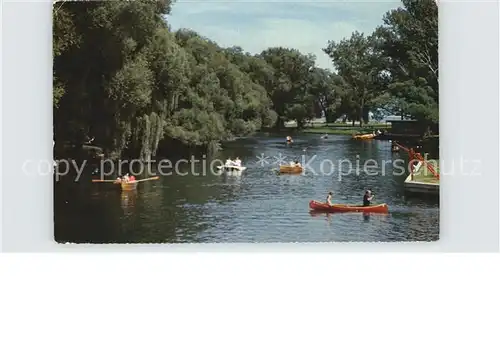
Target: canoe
[
  {"x": 321, "y": 206},
  {"x": 291, "y": 169},
  {"x": 363, "y": 136}
]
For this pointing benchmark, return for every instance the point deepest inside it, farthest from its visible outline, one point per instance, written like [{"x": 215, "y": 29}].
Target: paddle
[
  {"x": 114, "y": 180},
  {"x": 152, "y": 178}
]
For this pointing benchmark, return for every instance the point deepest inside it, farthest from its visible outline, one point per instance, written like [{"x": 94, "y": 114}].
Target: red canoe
[{"x": 321, "y": 206}]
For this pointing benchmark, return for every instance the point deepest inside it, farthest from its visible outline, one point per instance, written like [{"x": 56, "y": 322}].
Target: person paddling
[
  {"x": 329, "y": 198},
  {"x": 367, "y": 199}
]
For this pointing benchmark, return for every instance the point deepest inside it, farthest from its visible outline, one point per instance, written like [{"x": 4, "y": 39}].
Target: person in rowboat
[
  {"x": 367, "y": 199},
  {"x": 237, "y": 162},
  {"x": 132, "y": 178},
  {"x": 297, "y": 163},
  {"x": 329, "y": 198}
]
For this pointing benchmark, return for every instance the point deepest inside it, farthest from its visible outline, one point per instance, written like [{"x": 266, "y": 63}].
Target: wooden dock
[{"x": 421, "y": 187}]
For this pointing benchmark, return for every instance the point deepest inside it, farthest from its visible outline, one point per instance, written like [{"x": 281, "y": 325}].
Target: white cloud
[
  {"x": 303, "y": 35},
  {"x": 301, "y": 24}
]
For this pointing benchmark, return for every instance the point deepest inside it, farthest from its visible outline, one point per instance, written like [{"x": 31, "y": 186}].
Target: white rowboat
[{"x": 231, "y": 168}]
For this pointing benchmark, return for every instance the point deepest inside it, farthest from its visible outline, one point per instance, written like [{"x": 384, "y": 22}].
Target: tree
[
  {"x": 326, "y": 93},
  {"x": 408, "y": 41},
  {"x": 290, "y": 87},
  {"x": 356, "y": 62}
]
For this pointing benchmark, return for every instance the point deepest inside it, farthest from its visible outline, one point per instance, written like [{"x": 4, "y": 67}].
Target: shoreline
[{"x": 345, "y": 129}]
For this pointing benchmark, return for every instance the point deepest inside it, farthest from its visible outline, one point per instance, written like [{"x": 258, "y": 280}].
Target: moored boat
[
  {"x": 291, "y": 169},
  {"x": 324, "y": 207},
  {"x": 363, "y": 136}
]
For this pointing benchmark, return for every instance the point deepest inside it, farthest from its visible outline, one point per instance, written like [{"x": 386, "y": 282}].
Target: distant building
[{"x": 391, "y": 118}]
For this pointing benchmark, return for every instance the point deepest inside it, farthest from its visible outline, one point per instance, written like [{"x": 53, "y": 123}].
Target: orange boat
[
  {"x": 324, "y": 207},
  {"x": 291, "y": 169},
  {"x": 129, "y": 185},
  {"x": 363, "y": 136}
]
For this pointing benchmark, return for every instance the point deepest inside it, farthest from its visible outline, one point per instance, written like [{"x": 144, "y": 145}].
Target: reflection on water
[
  {"x": 258, "y": 205},
  {"x": 128, "y": 201}
]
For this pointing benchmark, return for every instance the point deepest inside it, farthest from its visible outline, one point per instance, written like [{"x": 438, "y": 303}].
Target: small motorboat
[
  {"x": 324, "y": 207},
  {"x": 291, "y": 169},
  {"x": 324, "y": 136}
]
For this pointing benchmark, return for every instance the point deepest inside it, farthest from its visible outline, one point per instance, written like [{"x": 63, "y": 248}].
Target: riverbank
[{"x": 346, "y": 128}]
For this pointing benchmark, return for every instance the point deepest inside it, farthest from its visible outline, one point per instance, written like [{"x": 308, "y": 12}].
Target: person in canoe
[
  {"x": 329, "y": 199},
  {"x": 367, "y": 199},
  {"x": 297, "y": 163}
]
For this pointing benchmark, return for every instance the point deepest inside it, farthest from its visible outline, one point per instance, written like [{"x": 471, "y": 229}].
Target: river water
[{"x": 257, "y": 206}]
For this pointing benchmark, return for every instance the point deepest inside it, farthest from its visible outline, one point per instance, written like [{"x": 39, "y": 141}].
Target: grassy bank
[
  {"x": 345, "y": 129},
  {"x": 332, "y": 131},
  {"x": 424, "y": 175}
]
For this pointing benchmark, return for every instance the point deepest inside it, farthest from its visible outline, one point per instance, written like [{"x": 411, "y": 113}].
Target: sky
[{"x": 306, "y": 25}]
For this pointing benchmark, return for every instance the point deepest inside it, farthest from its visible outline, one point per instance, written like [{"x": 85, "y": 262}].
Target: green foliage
[
  {"x": 357, "y": 64},
  {"x": 122, "y": 76},
  {"x": 394, "y": 70}
]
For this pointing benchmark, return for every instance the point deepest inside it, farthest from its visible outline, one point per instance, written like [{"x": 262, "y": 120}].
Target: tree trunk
[
  {"x": 280, "y": 123},
  {"x": 366, "y": 116}
]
